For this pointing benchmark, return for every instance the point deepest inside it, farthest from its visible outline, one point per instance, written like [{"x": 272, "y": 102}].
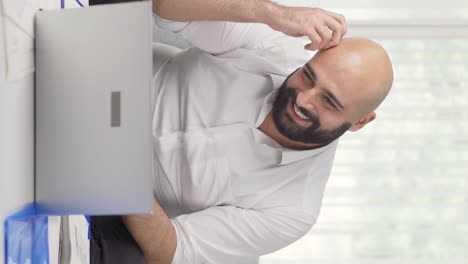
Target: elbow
[{"x": 157, "y": 6}]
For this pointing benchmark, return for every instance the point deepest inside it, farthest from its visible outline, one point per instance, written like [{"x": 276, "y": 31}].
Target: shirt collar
[
  {"x": 277, "y": 81},
  {"x": 290, "y": 155}
]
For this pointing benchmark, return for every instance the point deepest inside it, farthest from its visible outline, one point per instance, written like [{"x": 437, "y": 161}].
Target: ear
[{"x": 363, "y": 121}]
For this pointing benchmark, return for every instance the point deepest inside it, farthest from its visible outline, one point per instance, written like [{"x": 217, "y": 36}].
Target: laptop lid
[{"x": 93, "y": 110}]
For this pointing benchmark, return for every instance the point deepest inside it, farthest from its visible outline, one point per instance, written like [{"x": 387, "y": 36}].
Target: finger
[
  {"x": 325, "y": 35},
  {"x": 337, "y": 32},
  {"x": 316, "y": 41},
  {"x": 328, "y": 46},
  {"x": 345, "y": 26},
  {"x": 340, "y": 19}
]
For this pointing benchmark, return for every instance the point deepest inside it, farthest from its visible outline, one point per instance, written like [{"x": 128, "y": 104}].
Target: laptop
[{"x": 93, "y": 142}]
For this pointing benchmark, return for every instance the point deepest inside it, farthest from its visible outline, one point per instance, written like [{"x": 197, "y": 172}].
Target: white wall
[
  {"x": 397, "y": 10},
  {"x": 17, "y": 105},
  {"x": 376, "y": 3},
  {"x": 16, "y": 148},
  {"x": 16, "y": 139}
]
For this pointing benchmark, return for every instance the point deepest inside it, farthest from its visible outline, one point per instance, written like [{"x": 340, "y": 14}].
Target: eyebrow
[
  {"x": 333, "y": 98},
  {"x": 310, "y": 73},
  {"x": 313, "y": 76}
]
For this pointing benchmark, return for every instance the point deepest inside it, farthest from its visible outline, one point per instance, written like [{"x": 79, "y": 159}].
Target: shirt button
[{"x": 210, "y": 136}]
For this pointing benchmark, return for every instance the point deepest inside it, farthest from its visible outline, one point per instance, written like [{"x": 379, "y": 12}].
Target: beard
[{"x": 286, "y": 125}]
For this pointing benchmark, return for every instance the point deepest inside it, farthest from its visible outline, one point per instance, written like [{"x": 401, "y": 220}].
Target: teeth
[{"x": 299, "y": 113}]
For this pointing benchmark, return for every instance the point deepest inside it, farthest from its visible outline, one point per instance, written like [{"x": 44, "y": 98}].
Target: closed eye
[
  {"x": 329, "y": 102},
  {"x": 308, "y": 78}
]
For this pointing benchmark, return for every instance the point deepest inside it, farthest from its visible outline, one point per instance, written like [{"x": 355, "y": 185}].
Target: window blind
[{"x": 398, "y": 191}]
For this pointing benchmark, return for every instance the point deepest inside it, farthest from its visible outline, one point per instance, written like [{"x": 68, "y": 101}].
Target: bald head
[
  {"x": 362, "y": 65},
  {"x": 336, "y": 91}
]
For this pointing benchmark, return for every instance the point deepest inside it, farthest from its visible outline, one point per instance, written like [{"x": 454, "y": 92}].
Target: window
[{"x": 398, "y": 191}]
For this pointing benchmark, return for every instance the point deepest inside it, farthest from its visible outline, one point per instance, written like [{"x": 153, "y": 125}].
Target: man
[{"x": 245, "y": 126}]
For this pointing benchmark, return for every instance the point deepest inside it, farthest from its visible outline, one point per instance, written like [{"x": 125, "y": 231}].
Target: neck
[{"x": 268, "y": 127}]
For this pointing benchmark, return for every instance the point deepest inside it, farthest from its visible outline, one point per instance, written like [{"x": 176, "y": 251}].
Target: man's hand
[
  {"x": 155, "y": 235},
  {"x": 324, "y": 28}
]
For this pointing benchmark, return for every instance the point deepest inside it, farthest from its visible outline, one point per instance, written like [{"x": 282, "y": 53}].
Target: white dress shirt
[{"x": 232, "y": 193}]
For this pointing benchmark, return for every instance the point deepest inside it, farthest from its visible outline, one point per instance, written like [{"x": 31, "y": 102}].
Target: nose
[{"x": 306, "y": 99}]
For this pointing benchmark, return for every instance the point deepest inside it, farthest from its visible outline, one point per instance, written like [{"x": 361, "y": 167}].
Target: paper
[
  {"x": 54, "y": 239},
  {"x": 18, "y": 37},
  {"x": 75, "y": 3},
  {"x": 17, "y": 34},
  {"x": 19, "y": 52},
  {"x": 21, "y": 13},
  {"x": 3, "y": 61},
  {"x": 74, "y": 243}
]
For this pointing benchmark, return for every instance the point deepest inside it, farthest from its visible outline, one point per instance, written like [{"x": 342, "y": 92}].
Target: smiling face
[
  {"x": 304, "y": 124},
  {"x": 335, "y": 91}
]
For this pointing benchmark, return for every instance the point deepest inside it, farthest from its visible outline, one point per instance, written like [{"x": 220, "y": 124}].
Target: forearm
[
  {"x": 250, "y": 11},
  {"x": 155, "y": 235}
]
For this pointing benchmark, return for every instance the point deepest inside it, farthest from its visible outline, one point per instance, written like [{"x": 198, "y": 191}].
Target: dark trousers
[{"x": 111, "y": 243}]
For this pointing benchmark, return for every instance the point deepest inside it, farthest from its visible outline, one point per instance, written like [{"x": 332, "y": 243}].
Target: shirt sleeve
[
  {"x": 218, "y": 37},
  {"x": 228, "y": 234}
]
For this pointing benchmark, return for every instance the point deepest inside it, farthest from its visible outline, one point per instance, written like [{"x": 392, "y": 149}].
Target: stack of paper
[
  {"x": 17, "y": 33},
  {"x": 74, "y": 243}
]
